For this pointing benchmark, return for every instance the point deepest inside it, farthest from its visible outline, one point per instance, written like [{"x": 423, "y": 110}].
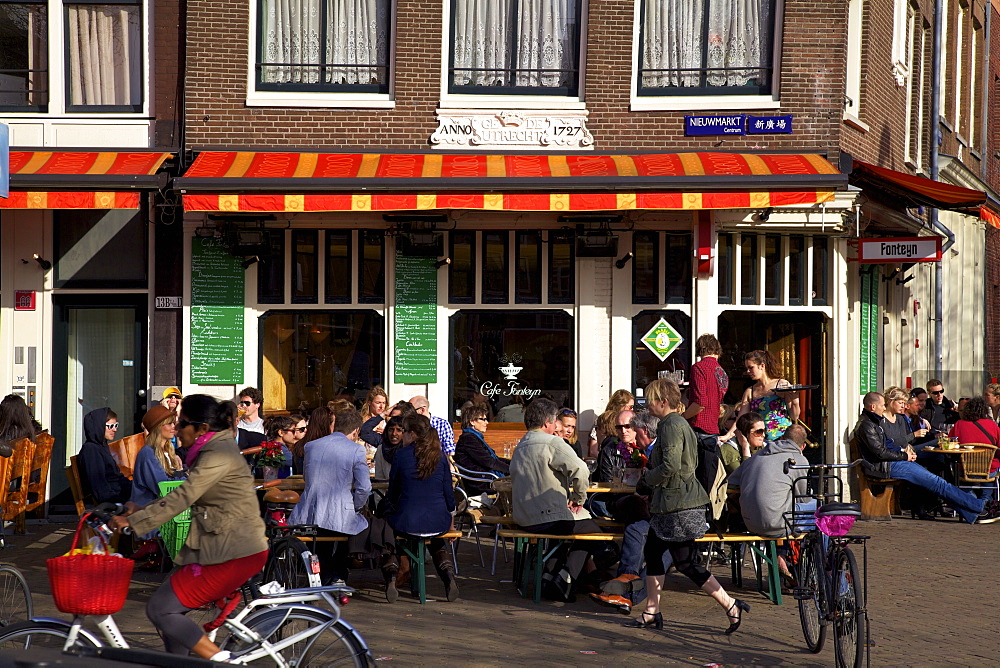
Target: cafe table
[{"x": 953, "y": 457}]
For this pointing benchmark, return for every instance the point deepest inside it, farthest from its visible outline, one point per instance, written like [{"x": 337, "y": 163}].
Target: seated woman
[
  {"x": 287, "y": 430},
  {"x": 392, "y": 436},
  {"x": 734, "y": 451},
  {"x": 154, "y": 463},
  {"x": 320, "y": 425},
  {"x": 750, "y": 432},
  {"x": 15, "y": 423},
  {"x": 99, "y": 473},
  {"x": 473, "y": 453},
  {"x": 977, "y": 426},
  {"x": 421, "y": 499}
]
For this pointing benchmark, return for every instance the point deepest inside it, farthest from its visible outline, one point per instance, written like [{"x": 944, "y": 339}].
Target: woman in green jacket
[{"x": 678, "y": 507}]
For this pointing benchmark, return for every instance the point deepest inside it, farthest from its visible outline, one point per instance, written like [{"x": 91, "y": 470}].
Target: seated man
[
  {"x": 884, "y": 460},
  {"x": 549, "y": 485},
  {"x": 765, "y": 488}
]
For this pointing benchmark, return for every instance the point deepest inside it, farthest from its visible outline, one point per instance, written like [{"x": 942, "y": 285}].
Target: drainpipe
[{"x": 933, "y": 213}]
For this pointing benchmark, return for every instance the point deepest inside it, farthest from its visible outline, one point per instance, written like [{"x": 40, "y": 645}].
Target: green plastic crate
[{"x": 175, "y": 531}]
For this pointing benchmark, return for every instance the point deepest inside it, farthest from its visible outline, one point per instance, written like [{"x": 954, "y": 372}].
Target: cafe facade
[{"x": 503, "y": 277}]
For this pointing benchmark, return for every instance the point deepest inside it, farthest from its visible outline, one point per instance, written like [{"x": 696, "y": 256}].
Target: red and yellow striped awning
[
  {"x": 260, "y": 182},
  {"x": 81, "y": 179},
  {"x": 915, "y": 190}
]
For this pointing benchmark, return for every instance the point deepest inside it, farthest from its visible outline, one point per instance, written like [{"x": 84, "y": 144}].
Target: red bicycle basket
[{"x": 89, "y": 584}]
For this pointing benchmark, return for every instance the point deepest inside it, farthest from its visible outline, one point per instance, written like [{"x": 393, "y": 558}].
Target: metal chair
[
  {"x": 974, "y": 469},
  {"x": 486, "y": 477}
]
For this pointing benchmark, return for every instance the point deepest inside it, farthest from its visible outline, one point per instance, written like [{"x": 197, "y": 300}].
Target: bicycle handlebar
[{"x": 791, "y": 465}]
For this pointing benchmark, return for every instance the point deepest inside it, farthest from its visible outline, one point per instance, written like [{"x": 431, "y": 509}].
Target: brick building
[{"x": 331, "y": 158}]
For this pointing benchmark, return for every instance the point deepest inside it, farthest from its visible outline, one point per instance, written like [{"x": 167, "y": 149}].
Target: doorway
[{"x": 99, "y": 359}]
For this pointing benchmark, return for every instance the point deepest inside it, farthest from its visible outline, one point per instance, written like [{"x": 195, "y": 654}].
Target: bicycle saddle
[
  {"x": 275, "y": 495},
  {"x": 852, "y": 509}
]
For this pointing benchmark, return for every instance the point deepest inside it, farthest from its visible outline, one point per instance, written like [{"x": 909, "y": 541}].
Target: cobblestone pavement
[{"x": 925, "y": 584}]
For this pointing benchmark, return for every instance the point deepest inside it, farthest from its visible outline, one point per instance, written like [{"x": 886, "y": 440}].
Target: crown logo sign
[{"x": 510, "y": 368}]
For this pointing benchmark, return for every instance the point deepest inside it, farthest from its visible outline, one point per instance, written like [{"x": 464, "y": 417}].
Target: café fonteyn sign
[
  {"x": 662, "y": 339},
  {"x": 522, "y": 129},
  {"x": 510, "y": 386},
  {"x": 899, "y": 249}
]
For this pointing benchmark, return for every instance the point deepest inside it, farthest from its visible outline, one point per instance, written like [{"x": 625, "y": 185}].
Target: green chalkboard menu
[
  {"x": 416, "y": 319},
  {"x": 216, "y": 314}
]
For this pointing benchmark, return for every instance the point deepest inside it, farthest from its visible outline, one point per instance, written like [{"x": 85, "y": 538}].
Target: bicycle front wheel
[
  {"x": 809, "y": 593},
  {"x": 15, "y": 597},
  {"x": 849, "y": 632},
  {"x": 321, "y": 642},
  {"x": 285, "y": 564},
  {"x": 26, "y": 635}
]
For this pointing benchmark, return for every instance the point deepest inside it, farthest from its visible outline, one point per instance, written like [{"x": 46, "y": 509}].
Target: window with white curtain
[
  {"x": 104, "y": 56},
  {"x": 323, "y": 45},
  {"x": 23, "y": 56},
  {"x": 515, "y": 47},
  {"x": 706, "y": 47}
]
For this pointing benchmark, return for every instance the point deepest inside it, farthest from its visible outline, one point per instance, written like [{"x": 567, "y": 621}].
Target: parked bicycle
[
  {"x": 830, "y": 590},
  {"x": 280, "y": 629},
  {"x": 15, "y": 597}
]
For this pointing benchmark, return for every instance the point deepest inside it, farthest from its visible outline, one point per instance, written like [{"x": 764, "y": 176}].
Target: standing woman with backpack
[{"x": 677, "y": 505}]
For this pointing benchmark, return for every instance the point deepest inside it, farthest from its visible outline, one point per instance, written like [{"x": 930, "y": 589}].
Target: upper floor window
[
  {"x": 102, "y": 56},
  {"x": 706, "y": 47},
  {"x": 323, "y": 45},
  {"x": 515, "y": 47}
]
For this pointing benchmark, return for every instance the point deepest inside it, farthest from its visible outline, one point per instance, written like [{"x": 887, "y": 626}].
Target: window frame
[
  {"x": 143, "y": 64},
  {"x": 705, "y": 98},
  {"x": 322, "y": 99},
  {"x": 46, "y": 72}
]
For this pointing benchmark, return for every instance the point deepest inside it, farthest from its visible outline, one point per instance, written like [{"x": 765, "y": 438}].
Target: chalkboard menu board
[
  {"x": 416, "y": 319},
  {"x": 216, "y": 314}
]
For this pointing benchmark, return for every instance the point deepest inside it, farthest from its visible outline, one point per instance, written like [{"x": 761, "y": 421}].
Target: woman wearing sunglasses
[
  {"x": 99, "y": 473},
  {"x": 286, "y": 430},
  {"x": 226, "y": 543},
  {"x": 750, "y": 433}
]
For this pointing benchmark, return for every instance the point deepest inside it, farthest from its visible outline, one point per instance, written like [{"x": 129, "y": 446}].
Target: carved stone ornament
[{"x": 527, "y": 129}]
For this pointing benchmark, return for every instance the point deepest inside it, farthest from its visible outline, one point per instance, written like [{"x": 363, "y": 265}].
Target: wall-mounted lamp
[
  {"x": 905, "y": 280},
  {"x": 441, "y": 263},
  {"x": 42, "y": 262},
  {"x": 623, "y": 260},
  {"x": 250, "y": 261},
  {"x": 763, "y": 216}
]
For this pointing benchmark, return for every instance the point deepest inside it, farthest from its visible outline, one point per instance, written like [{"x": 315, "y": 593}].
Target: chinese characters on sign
[{"x": 763, "y": 125}]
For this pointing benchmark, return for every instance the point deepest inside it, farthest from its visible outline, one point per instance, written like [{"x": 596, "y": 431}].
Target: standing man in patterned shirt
[
  {"x": 709, "y": 383},
  {"x": 441, "y": 426}
]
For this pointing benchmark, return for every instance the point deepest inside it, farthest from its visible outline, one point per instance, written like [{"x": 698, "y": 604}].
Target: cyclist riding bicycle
[{"x": 226, "y": 543}]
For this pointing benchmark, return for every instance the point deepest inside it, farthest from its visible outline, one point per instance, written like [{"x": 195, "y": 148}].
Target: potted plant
[{"x": 269, "y": 459}]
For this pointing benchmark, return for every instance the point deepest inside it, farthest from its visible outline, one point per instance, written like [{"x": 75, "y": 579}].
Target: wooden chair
[
  {"x": 503, "y": 437},
  {"x": 80, "y": 500},
  {"x": 39, "y": 477},
  {"x": 878, "y": 497},
  {"x": 125, "y": 450},
  {"x": 15, "y": 499},
  {"x": 974, "y": 467}
]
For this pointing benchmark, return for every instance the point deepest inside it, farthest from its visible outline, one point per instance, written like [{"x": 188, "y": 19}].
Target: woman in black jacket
[{"x": 473, "y": 453}]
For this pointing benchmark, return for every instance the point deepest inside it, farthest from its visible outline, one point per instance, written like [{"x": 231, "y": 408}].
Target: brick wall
[
  {"x": 168, "y": 63},
  {"x": 812, "y": 82}
]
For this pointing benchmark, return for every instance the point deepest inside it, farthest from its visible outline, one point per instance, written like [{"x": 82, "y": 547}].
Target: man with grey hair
[
  {"x": 885, "y": 459},
  {"x": 548, "y": 489},
  {"x": 445, "y": 433},
  {"x": 645, "y": 423}
]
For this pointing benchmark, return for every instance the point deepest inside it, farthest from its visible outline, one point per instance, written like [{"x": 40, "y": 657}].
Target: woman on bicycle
[
  {"x": 421, "y": 497},
  {"x": 226, "y": 544}
]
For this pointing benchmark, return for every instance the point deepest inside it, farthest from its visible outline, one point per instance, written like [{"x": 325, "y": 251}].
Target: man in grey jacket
[
  {"x": 766, "y": 488},
  {"x": 549, "y": 485}
]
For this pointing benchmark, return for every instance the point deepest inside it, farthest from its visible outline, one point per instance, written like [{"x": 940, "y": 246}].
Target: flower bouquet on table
[
  {"x": 635, "y": 462},
  {"x": 270, "y": 458}
]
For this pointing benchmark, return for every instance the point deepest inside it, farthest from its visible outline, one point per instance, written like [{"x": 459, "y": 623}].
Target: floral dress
[{"x": 775, "y": 413}]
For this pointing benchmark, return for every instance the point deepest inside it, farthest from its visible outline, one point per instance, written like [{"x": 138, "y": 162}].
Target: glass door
[{"x": 99, "y": 361}]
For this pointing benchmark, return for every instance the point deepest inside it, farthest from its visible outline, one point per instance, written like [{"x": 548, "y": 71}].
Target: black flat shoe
[
  {"x": 655, "y": 621},
  {"x": 739, "y": 607}
]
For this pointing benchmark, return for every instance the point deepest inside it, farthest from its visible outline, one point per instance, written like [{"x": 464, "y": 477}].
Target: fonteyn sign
[{"x": 899, "y": 249}]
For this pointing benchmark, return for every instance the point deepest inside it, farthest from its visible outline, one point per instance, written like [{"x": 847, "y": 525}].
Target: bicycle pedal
[{"x": 803, "y": 594}]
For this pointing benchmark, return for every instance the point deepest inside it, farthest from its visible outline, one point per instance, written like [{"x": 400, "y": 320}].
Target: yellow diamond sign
[{"x": 662, "y": 339}]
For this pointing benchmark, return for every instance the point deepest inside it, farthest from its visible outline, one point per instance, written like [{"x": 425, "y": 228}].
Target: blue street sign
[
  {"x": 4, "y": 161},
  {"x": 765, "y": 125},
  {"x": 695, "y": 126}
]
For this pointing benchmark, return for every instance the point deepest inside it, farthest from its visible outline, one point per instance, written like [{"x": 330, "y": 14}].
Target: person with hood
[
  {"x": 99, "y": 473},
  {"x": 765, "y": 487}
]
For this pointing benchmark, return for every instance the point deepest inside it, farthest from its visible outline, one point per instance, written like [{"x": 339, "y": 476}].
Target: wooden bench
[
  {"x": 765, "y": 551},
  {"x": 415, "y": 548},
  {"x": 545, "y": 546},
  {"x": 877, "y": 496}
]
